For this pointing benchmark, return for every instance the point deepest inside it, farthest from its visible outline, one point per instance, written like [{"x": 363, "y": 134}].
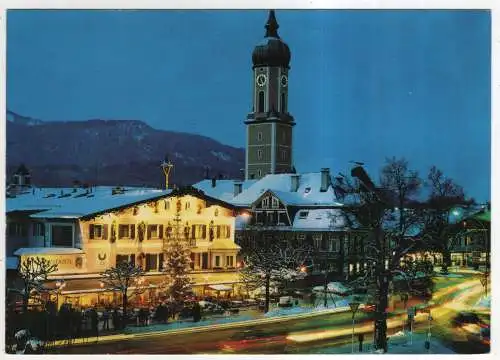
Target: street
[{"x": 315, "y": 334}]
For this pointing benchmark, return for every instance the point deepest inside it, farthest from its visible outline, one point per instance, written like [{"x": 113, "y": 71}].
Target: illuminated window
[
  {"x": 123, "y": 231},
  {"x": 217, "y": 261}
]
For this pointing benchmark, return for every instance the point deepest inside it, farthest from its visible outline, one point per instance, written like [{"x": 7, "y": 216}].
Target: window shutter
[
  {"x": 228, "y": 229},
  {"x": 204, "y": 230},
  {"x": 132, "y": 231},
  {"x": 160, "y": 262},
  {"x": 149, "y": 232},
  {"x": 160, "y": 232},
  {"x": 218, "y": 231},
  {"x": 91, "y": 231},
  {"x": 193, "y": 231},
  {"x": 132, "y": 259},
  {"x": 105, "y": 232}
]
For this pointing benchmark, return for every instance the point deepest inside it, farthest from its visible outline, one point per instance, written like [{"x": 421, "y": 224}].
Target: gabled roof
[
  {"x": 71, "y": 204},
  {"x": 308, "y": 192}
]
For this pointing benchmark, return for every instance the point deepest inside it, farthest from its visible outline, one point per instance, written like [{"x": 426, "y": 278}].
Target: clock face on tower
[
  {"x": 284, "y": 80},
  {"x": 261, "y": 79}
]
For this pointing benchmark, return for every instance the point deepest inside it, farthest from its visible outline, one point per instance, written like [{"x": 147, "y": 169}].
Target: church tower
[{"x": 269, "y": 125}]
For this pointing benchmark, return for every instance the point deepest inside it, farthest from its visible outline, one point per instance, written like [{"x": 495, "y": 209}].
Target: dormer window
[
  {"x": 307, "y": 190},
  {"x": 275, "y": 203}
]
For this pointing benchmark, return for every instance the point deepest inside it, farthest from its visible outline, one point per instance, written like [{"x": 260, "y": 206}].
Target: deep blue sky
[{"x": 364, "y": 85}]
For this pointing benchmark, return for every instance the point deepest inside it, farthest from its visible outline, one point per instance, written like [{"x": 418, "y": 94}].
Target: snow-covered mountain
[{"x": 127, "y": 152}]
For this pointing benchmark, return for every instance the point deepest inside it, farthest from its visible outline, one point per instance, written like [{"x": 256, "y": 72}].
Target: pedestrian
[
  {"x": 94, "y": 322},
  {"x": 196, "y": 312},
  {"x": 105, "y": 317},
  {"x": 361, "y": 338},
  {"x": 115, "y": 318}
]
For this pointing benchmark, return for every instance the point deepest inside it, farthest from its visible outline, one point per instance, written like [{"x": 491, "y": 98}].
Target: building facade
[{"x": 88, "y": 231}]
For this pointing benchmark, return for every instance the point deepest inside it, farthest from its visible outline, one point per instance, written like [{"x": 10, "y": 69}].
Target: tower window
[
  {"x": 259, "y": 136},
  {"x": 259, "y": 172},
  {"x": 283, "y": 154},
  {"x": 261, "y": 101},
  {"x": 283, "y": 102},
  {"x": 259, "y": 155}
]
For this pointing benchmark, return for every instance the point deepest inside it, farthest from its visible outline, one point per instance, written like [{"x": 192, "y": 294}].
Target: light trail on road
[{"x": 444, "y": 310}]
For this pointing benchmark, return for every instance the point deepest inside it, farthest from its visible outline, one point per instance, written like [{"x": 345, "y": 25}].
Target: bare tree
[
  {"x": 395, "y": 223},
  {"x": 387, "y": 215},
  {"x": 33, "y": 272},
  {"x": 125, "y": 278},
  {"x": 445, "y": 197},
  {"x": 273, "y": 264}
]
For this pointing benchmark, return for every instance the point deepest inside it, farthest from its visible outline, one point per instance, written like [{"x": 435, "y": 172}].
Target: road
[{"x": 295, "y": 335}]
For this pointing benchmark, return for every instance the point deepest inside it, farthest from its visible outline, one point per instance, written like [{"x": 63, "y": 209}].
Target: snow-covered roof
[
  {"x": 47, "y": 251},
  {"x": 308, "y": 192},
  {"x": 324, "y": 219},
  {"x": 76, "y": 203},
  {"x": 223, "y": 189}
]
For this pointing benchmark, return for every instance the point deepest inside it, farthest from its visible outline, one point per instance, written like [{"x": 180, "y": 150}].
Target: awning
[
  {"x": 47, "y": 251},
  {"x": 220, "y": 287}
]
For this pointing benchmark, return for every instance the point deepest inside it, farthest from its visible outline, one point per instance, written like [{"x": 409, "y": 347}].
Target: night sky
[{"x": 364, "y": 85}]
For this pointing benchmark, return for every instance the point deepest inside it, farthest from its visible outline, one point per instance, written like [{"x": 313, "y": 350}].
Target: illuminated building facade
[{"x": 86, "y": 231}]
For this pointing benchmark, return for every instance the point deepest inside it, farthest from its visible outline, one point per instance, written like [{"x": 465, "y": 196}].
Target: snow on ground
[
  {"x": 484, "y": 302},
  {"x": 340, "y": 304}
]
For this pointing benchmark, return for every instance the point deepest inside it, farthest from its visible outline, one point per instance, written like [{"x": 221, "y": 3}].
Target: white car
[{"x": 285, "y": 301}]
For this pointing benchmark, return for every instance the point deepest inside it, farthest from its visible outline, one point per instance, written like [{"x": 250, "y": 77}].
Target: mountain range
[{"x": 113, "y": 152}]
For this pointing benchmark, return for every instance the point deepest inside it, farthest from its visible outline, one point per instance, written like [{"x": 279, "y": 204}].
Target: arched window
[
  {"x": 261, "y": 101},
  {"x": 283, "y": 102}
]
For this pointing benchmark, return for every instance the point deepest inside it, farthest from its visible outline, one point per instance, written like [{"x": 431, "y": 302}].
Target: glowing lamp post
[{"x": 354, "y": 305}]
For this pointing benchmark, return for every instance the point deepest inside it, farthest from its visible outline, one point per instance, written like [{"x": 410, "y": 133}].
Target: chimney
[
  {"x": 237, "y": 188},
  {"x": 325, "y": 179},
  {"x": 214, "y": 181},
  {"x": 295, "y": 182}
]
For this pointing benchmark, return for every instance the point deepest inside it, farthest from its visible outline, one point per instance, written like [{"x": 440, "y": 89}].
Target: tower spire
[{"x": 272, "y": 25}]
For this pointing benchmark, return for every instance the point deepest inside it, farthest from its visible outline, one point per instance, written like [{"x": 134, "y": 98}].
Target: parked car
[
  {"x": 464, "y": 318},
  {"x": 335, "y": 288},
  {"x": 285, "y": 301},
  {"x": 211, "y": 307}
]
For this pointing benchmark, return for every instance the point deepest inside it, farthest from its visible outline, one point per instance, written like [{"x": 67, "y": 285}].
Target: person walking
[
  {"x": 94, "y": 321},
  {"x": 116, "y": 319},
  {"x": 361, "y": 338},
  {"x": 105, "y": 317}
]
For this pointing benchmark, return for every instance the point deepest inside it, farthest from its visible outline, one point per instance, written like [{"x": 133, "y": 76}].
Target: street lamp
[{"x": 354, "y": 305}]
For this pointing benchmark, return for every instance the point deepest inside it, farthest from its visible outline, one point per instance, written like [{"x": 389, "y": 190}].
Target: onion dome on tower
[{"x": 272, "y": 51}]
